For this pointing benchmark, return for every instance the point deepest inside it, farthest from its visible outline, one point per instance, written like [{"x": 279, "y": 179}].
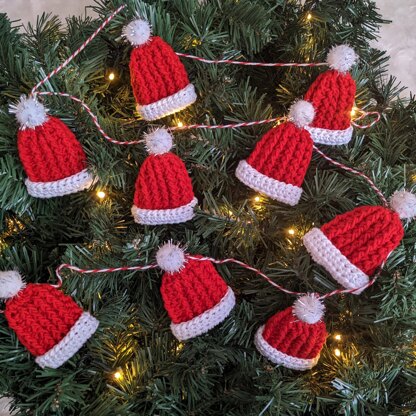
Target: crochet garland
[{"x": 353, "y": 247}]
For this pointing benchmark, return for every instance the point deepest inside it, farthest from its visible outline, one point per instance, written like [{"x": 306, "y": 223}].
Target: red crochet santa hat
[
  {"x": 194, "y": 294},
  {"x": 52, "y": 157},
  {"x": 294, "y": 337},
  {"x": 278, "y": 163},
  {"x": 164, "y": 193},
  {"x": 332, "y": 95},
  {"x": 353, "y": 245},
  {"x": 158, "y": 78},
  {"x": 48, "y": 323}
]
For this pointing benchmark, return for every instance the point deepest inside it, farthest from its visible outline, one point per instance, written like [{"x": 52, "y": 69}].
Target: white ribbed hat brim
[
  {"x": 168, "y": 105},
  {"x": 71, "y": 184},
  {"x": 280, "y": 358},
  {"x": 164, "y": 216},
  {"x": 78, "y": 335},
  {"x": 277, "y": 190},
  {"x": 330, "y": 257},
  {"x": 206, "y": 320}
]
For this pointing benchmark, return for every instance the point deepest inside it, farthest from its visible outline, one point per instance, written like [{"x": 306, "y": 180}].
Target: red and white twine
[
  {"x": 245, "y": 63},
  {"x": 215, "y": 261},
  {"x": 92, "y": 115},
  {"x": 356, "y": 172},
  {"x": 227, "y": 126},
  {"x": 94, "y": 271},
  {"x": 78, "y": 51},
  {"x": 366, "y": 114}
]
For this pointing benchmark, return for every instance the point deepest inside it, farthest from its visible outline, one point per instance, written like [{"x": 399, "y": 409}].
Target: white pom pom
[
  {"x": 30, "y": 113},
  {"x": 404, "y": 203},
  {"x": 137, "y": 32},
  {"x": 301, "y": 113},
  {"x": 309, "y": 309},
  {"x": 158, "y": 141},
  {"x": 11, "y": 283},
  {"x": 341, "y": 58},
  {"x": 170, "y": 258}
]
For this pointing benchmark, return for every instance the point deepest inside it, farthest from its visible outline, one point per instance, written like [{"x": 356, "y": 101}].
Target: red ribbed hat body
[
  {"x": 50, "y": 152},
  {"x": 365, "y": 236},
  {"x": 332, "y": 95},
  {"x": 293, "y": 337},
  {"x": 41, "y": 316},
  {"x": 156, "y": 72},
  {"x": 163, "y": 183},
  {"x": 283, "y": 153},
  {"x": 191, "y": 291}
]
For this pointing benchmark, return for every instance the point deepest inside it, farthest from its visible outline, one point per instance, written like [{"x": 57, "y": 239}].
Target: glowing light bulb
[
  {"x": 291, "y": 231},
  {"x": 101, "y": 194},
  {"x": 180, "y": 124},
  {"x": 354, "y": 112},
  {"x": 338, "y": 337},
  {"x": 337, "y": 352},
  {"x": 118, "y": 375},
  {"x": 111, "y": 76},
  {"x": 256, "y": 199},
  {"x": 309, "y": 16}
]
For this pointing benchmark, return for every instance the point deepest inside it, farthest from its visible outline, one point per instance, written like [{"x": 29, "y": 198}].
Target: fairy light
[
  {"x": 337, "y": 352},
  {"x": 309, "y": 16},
  {"x": 111, "y": 76},
  {"x": 291, "y": 231},
  {"x": 101, "y": 194},
  {"x": 118, "y": 375},
  {"x": 337, "y": 337},
  {"x": 180, "y": 124},
  {"x": 257, "y": 199}
]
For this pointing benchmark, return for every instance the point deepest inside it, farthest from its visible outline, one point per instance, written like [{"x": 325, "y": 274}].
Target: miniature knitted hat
[
  {"x": 332, "y": 95},
  {"x": 52, "y": 157},
  {"x": 194, "y": 294},
  {"x": 353, "y": 245},
  {"x": 48, "y": 323},
  {"x": 278, "y": 163},
  {"x": 294, "y": 337},
  {"x": 158, "y": 78},
  {"x": 164, "y": 193}
]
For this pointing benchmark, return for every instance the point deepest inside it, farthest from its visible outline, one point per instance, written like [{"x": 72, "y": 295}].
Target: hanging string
[
  {"x": 94, "y": 271},
  {"x": 92, "y": 115},
  {"x": 281, "y": 288},
  {"x": 215, "y": 261},
  {"x": 245, "y": 63},
  {"x": 227, "y": 126},
  {"x": 356, "y": 172},
  {"x": 366, "y": 114},
  {"x": 78, "y": 51}
]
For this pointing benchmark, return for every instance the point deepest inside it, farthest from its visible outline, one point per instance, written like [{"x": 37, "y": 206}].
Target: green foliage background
[{"x": 220, "y": 373}]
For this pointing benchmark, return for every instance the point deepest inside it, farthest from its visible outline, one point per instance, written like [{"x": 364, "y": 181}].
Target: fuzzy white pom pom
[
  {"x": 170, "y": 257},
  {"x": 404, "y": 203},
  {"x": 29, "y": 112},
  {"x": 309, "y": 309},
  {"x": 137, "y": 32},
  {"x": 301, "y": 113},
  {"x": 11, "y": 283},
  {"x": 158, "y": 141},
  {"x": 341, "y": 58}
]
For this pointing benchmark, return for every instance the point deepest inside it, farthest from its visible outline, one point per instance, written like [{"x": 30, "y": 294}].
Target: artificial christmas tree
[{"x": 133, "y": 364}]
